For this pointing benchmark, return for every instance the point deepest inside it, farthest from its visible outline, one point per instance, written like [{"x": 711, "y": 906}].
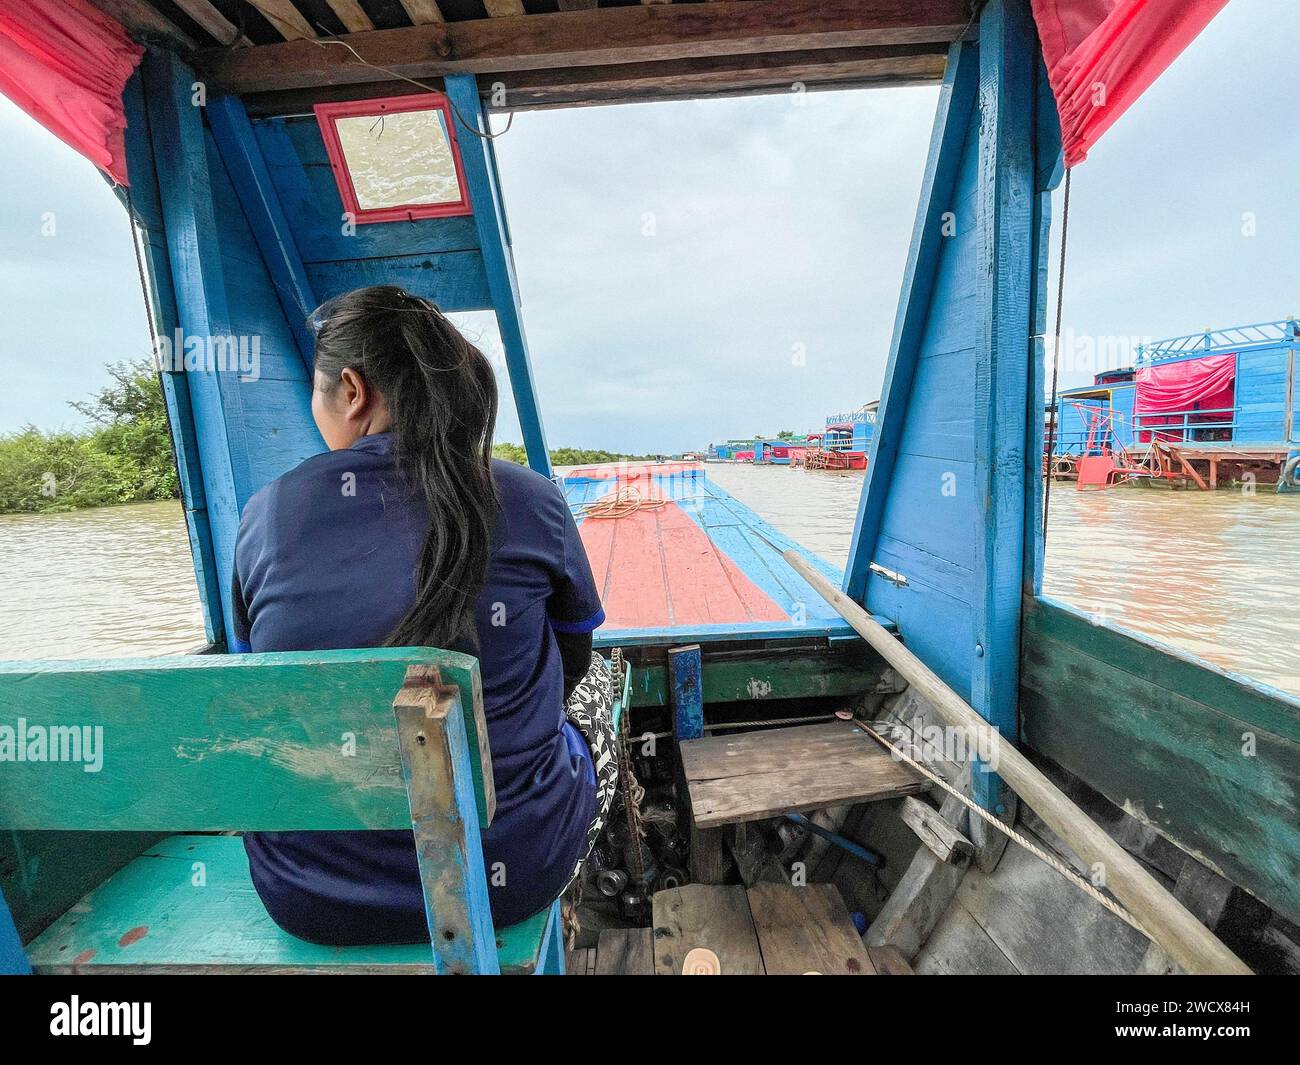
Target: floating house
[
  {"x": 1219, "y": 402},
  {"x": 853, "y": 431}
]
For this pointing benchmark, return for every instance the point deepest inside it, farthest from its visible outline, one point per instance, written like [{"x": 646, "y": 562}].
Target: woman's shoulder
[{"x": 522, "y": 482}]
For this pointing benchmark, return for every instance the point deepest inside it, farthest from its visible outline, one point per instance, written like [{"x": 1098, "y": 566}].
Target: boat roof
[{"x": 586, "y": 52}]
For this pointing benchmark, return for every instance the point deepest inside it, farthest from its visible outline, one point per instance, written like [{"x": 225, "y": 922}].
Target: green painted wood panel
[
  {"x": 300, "y": 740},
  {"x": 43, "y": 873},
  {"x": 1210, "y": 759},
  {"x": 789, "y": 677}
]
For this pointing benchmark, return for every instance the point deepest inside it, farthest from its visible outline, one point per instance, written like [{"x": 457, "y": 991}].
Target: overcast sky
[{"x": 699, "y": 270}]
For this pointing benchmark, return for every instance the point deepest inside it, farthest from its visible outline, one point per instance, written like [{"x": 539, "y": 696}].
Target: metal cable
[{"x": 1054, "y": 424}]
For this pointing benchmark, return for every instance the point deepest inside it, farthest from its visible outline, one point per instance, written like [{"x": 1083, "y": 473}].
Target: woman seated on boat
[{"x": 408, "y": 533}]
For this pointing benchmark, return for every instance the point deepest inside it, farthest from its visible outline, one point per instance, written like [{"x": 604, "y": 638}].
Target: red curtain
[
  {"x": 1102, "y": 55},
  {"x": 1205, "y": 384},
  {"x": 64, "y": 62}
]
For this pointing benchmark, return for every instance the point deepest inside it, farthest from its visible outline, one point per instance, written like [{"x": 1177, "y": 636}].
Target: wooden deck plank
[
  {"x": 806, "y": 930},
  {"x": 580, "y": 962},
  {"x": 763, "y": 774},
  {"x": 889, "y": 961},
  {"x": 705, "y": 918},
  {"x": 773, "y": 750},
  {"x": 625, "y": 952}
]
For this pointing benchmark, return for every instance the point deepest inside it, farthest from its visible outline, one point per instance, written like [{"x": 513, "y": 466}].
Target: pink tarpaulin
[
  {"x": 1102, "y": 55},
  {"x": 65, "y": 64},
  {"x": 1167, "y": 392}
]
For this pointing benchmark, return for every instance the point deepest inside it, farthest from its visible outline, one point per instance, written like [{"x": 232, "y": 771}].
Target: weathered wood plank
[
  {"x": 422, "y": 12},
  {"x": 808, "y": 767},
  {"x": 143, "y": 21},
  {"x": 352, "y": 15},
  {"x": 924, "y": 894},
  {"x": 213, "y": 22},
  {"x": 715, "y": 921},
  {"x": 941, "y": 838},
  {"x": 448, "y": 847},
  {"x": 580, "y": 962},
  {"x": 889, "y": 961},
  {"x": 625, "y": 952},
  {"x": 1202, "y": 892},
  {"x": 775, "y": 750},
  {"x": 594, "y": 38},
  {"x": 1044, "y": 924},
  {"x": 806, "y": 929},
  {"x": 298, "y": 740},
  {"x": 287, "y": 19},
  {"x": 960, "y": 947},
  {"x": 727, "y": 801},
  {"x": 903, "y": 64}
]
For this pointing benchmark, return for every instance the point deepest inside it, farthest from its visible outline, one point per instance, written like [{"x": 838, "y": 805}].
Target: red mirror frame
[{"x": 327, "y": 114}]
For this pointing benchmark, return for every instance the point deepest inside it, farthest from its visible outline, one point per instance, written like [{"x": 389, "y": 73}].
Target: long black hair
[{"x": 442, "y": 396}]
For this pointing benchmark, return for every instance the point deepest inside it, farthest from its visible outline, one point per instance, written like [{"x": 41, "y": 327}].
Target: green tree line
[{"x": 125, "y": 454}]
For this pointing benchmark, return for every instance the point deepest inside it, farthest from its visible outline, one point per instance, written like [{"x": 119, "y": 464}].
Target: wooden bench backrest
[
  {"x": 386, "y": 738},
  {"x": 272, "y": 742}
]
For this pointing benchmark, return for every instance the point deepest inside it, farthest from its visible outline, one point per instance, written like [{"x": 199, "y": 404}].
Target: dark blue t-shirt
[{"x": 326, "y": 558}]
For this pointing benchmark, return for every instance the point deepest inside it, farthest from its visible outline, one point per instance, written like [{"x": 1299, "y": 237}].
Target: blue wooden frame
[
  {"x": 479, "y": 159},
  {"x": 980, "y": 236},
  {"x": 956, "y": 100},
  {"x": 686, "y": 675},
  {"x": 247, "y": 169},
  {"x": 146, "y": 205},
  {"x": 1006, "y": 214},
  {"x": 187, "y": 214}
]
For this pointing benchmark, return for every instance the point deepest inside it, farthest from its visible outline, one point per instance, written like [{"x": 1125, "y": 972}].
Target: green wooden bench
[{"x": 359, "y": 739}]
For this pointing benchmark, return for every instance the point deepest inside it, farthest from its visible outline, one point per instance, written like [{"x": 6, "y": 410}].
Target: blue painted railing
[
  {"x": 1187, "y": 429},
  {"x": 1233, "y": 338}
]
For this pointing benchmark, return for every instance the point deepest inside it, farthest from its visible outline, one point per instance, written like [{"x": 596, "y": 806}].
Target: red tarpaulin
[
  {"x": 1173, "y": 389},
  {"x": 65, "y": 64},
  {"x": 1102, "y": 55}
]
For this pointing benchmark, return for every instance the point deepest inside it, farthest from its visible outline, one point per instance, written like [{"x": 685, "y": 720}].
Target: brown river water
[{"x": 1216, "y": 574}]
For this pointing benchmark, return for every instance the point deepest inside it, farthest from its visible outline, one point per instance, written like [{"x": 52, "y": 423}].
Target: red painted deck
[
  {"x": 678, "y": 559},
  {"x": 659, "y": 569}
]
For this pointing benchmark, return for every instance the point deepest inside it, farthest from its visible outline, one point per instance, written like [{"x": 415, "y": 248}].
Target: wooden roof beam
[
  {"x": 638, "y": 34},
  {"x": 722, "y": 76},
  {"x": 288, "y": 21},
  {"x": 352, "y": 15},
  {"x": 143, "y": 22},
  {"x": 422, "y": 12}
]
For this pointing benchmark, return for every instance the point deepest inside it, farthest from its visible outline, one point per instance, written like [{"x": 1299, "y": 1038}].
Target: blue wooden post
[
  {"x": 1006, "y": 212},
  {"x": 479, "y": 161},
  {"x": 13, "y": 960},
  {"x": 247, "y": 170},
  {"x": 187, "y": 215},
  {"x": 448, "y": 845},
  {"x": 144, "y": 202},
  {"x": 956, "y": 98},
  {"x": 686, "y": 675}
]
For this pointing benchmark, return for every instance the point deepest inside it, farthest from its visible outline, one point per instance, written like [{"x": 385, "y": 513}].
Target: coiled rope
[{"x": 626, "y": 501}]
